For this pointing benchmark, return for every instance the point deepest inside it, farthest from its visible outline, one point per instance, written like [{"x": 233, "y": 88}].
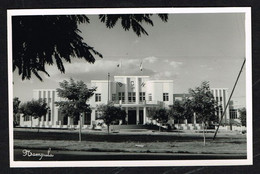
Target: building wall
[
  {"x": 221, "y": 96},
  {"x": 118, "y": 84}
]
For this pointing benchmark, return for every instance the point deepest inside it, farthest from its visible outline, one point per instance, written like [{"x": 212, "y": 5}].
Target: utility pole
[{"x": 229, "y": 99}]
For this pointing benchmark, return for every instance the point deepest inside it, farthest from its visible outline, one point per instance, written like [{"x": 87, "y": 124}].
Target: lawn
[{"x": 226, "y": 143}]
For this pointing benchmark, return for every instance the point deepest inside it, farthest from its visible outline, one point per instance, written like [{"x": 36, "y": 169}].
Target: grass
[{"x": 161, "y": 142}]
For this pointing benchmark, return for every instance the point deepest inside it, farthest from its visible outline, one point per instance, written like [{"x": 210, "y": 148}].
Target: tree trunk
[
  {"x": 178, "y": 127},
  {"x": 107, "y": 129},
  {"x": 160, "y": 127},
  {"x": 80, "y": 123},
  {"x": 31, "y": 122},
  {"x": 204, "y": 137}
]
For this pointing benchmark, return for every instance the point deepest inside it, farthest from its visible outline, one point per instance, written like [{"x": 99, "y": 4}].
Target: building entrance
[
  {"x": 131, "y": 116},
  {"x": 141, "y": 117}
]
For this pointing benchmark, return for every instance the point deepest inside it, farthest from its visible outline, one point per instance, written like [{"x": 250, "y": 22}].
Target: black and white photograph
[{"x": 130, "y": 87}]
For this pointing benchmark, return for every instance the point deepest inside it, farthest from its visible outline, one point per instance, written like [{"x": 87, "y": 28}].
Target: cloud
[
  {"x": 151, "y": 59},
  {"x": 164, "y": 75},
  {"x": 176, "y": 64}
]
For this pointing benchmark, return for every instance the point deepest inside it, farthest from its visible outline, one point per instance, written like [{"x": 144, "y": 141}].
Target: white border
[{"x": 29, "y": 12}]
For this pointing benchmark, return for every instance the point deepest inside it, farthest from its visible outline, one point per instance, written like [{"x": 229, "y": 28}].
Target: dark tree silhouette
[
  {"x": 181, "y": 110},
  {"x": 34, "y": 109},
  {"x": 242, "y": 116},
  {"x": 53, "y": 39},
  {"x": 160, "y": 115},
  {"x": 109, "y": 114},
  {"x": 75, "y": 95},
  {"x": 204, "y": 105},
  {"x": 16, "y": 117}
]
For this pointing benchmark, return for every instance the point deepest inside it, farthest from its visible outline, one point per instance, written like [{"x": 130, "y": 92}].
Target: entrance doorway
[
  {"x": 131, "y": 116},
  {"x": 141, "y": 117}
]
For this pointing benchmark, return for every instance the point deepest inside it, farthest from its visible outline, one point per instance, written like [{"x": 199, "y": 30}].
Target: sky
[{"x": 188, "y": 49}]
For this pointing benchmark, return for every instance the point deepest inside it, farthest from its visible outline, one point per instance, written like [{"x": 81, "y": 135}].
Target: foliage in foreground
[
  {"x": 160, "y": 115},
  {"x": 204, "y": 105},
  {"x": 242, "y": 116},
  {"x": 109, "y": 114},
  {"x": 52, "y": 39},
  {"x": 34, "y": 109}
]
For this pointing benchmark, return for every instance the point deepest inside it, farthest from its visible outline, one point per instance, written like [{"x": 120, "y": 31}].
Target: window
[
  {"x": 121, "y": 96},
  {"x": 131, "y": 96},
  {"x": 26, "y": 118},
  {"x": 150, "y": 97},
  {"x": 221, "y": 110},
  {"x": 49, "y": 115},
  {"x": 233, "y": 113},
  {"x": 142, "y": 96},
  {"x": 87, "y": 118},
  {"x": 98, "y": 97},
  {"x": 165, "y": 96}
]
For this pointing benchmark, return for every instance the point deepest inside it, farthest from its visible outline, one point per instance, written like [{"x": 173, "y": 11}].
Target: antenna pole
[{"x": 229, "y": 99}]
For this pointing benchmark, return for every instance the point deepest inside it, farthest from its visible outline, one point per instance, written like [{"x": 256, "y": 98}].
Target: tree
[
  {"x": 242, "y": 116},
  {"x": 181, "y": 110},
  {"x": 109, "y": 114},
  {"x": 160, "y": 115},
  {"x": 204, "y": 105},
  {"x": 75, "y": 95},
  {"x": 16, "y": 103},
  {"x": 34, "y": 109},
  {"x": 53, "y": 39}
]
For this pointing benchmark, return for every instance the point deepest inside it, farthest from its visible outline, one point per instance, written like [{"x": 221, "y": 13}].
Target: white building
[{"x": 134, "y": 94}]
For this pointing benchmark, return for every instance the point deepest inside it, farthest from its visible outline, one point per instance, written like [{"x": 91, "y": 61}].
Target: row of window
[{"x": 131, "y": 97}]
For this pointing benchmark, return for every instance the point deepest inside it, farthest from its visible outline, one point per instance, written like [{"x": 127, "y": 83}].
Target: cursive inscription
[{"x": 29, "y": 153}]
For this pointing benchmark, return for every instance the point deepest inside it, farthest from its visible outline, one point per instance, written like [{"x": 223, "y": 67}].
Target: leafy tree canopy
[
  {"x": 16, "y": 103},
  {"x": 75, "y": 95},
  {"x": 161, "y": 115},
  {"x": 34, "y": 108},
  {"x": 242, "y": 116},
  {"x": 109, "y": 114},
  {"x": 203, "y": 103},
  {"x": 53, "y": 39},
  {"x": 181, "y": 110}
]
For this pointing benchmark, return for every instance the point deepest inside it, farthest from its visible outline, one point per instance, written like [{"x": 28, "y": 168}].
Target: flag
[
  {"x": 120, "y": 84},
  {"x": 141, "y": 66}
]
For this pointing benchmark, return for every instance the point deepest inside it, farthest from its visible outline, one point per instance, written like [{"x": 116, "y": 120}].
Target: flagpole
[{"x": 121, "y": 67}]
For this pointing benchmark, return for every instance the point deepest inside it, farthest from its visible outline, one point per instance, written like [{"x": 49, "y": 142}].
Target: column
[
  {"x": 93, "y": 117},
  {"x": 137, "y": 90},
  {"x": 126, "y": 90},
  {"x": 145, "y": 118},
  {"x": 137, "y": 115},
  {"x": 55, "y": 116},
  {"x": 194, "y": 118},
  {"x": 21, "y": 120},
  {"x": 69, "y": 121}
]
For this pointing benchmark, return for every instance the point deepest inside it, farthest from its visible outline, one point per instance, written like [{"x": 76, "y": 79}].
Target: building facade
[{"x": 134, "y": 94}]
